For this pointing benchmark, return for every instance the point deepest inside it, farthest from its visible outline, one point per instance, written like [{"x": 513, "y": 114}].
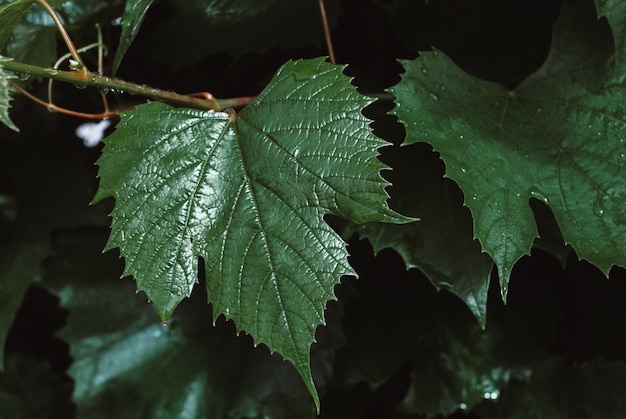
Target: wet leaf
[
  {"x": 247, "y": 193},
  {"x": 558, "y": 137},
  {"x": 134, "y": 14}
]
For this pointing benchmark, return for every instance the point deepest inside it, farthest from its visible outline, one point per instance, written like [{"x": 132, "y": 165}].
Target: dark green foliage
[{"x": 499, "y": 125}]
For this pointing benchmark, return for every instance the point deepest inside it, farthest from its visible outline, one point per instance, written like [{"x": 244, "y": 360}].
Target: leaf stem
[
  {"x": 329, "y": 42},
  {"x": 79, "y": 78},
  {"x": 66, "y": 37}
]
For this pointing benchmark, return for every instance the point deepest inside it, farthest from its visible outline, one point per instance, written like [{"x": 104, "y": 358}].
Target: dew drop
[
  {"x": 434, "y": 96},
  {"x": 424, "y": 71},
  {"x": 80, "y": 85},
  {"x": 23, "y": 76},
  {"x": 539, "y": 195},
  {"x": 104, "y": 90},
  {"x": 599, "y": 206}
]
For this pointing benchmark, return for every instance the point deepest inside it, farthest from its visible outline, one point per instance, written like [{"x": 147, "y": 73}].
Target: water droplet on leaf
[
  {"x": 539, "y": 195},
  {"x": 599, "y": 206}
]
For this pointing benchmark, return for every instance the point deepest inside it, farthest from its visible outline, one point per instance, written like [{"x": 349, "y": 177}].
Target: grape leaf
[
  {"x": 441, "y": 244},
  {"x": 558, "y": 137},
  {"x": 207, "y": 370},
  {"x": 615, "y": 13},
  {"x": 134, "y": 14},
  {"x": 247, "y": 193},
  {"x": 5, "y": 95}
]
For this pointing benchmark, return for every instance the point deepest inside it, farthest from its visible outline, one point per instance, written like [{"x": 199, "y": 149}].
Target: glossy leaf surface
[
  {"x": 247, "y": 193},
  {"x": 558, "y": 137},
  {"x": 134, "y": 14}
]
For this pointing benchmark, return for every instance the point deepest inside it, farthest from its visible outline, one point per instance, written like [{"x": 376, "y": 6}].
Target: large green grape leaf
[
  {"x": 615, "y": 13},
  {"x": 119, "y": 347},
  {"x": 5, "y": 96},
  {"x": 247, "y": 192},
  {"x": 559, "y": 137},
  {"x": 441, "y": 245},
  {"x": 134, "y": 14}
]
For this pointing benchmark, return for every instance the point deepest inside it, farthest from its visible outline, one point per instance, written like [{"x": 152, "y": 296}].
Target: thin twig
[
  {"x": 329, "y": 42},
  {"x": 66, "y": 37},
  {"x": 101, "y": 47},
  {"x": 54, "y": 108},
  {"x": 58, "y": 62}
]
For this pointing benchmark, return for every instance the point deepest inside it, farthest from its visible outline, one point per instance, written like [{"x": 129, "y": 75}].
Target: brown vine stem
[
  {"x": 204, "y": 101},
  {"x": 329, "y": 42}
]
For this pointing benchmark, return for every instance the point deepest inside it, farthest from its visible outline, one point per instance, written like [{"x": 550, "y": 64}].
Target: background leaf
[
  {"x": 134, "y": 14},
  {"x": 29, "y": 389},
  {"x": 615, "y": 13},
  {"x": 441, "y": 244},
  {"x": 128, "y": 365},
  {"x": 504, "y": 148},
  {"x": 248, "y": 193},
  {"x": 52, "y": 190},
  {"x": 10, "y": 15},
  {"x": 560, "y": 389}
]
